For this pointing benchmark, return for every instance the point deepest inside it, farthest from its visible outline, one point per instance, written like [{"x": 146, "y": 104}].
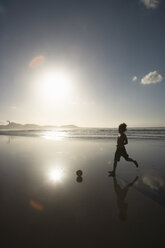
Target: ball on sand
[{"x": 79, "y": 173}]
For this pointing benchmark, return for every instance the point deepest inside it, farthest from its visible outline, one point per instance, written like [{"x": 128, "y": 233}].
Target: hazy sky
[{"x": 108, "y": 57}]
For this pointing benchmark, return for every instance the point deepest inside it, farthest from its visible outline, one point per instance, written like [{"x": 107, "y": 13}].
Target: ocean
[{"x": 156, "y": 133}]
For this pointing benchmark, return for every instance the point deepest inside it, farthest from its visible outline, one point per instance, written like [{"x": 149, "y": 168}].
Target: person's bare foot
[
  {"x": 111, "y": 173},
  {"x": 135, "y": 162}
]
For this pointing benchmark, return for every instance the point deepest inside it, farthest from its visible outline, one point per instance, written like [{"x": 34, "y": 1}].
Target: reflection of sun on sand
[
  {"x": 54, "y": 135},
  {"x": 56, "y": 175}
]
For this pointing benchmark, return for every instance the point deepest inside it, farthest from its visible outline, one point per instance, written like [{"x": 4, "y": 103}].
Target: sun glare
[
  {"x": 54, "y": 135},
  {"x": 56, "y": 86}
]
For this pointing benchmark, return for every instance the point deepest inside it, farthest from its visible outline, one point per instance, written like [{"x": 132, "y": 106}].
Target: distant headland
[{"x": 18, "y": 126}]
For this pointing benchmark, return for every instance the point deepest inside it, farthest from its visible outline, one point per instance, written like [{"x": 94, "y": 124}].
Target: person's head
[{"x": 122, "y": 128}]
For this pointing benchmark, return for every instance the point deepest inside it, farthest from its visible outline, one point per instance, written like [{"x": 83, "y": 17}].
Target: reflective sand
[{"x": 45, "y": 204}]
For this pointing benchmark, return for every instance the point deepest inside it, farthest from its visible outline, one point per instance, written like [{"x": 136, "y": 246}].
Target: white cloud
[
  {"x": 151, "y": 3},
  {"x": 152, "y": 78},
  {"x": 134, "y": 78}
]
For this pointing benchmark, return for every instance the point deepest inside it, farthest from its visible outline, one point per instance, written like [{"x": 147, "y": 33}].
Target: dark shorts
[{"x": 121, "y": 152}]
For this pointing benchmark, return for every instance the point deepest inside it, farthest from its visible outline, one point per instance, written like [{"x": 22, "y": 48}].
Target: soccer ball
[{"x": 79, "y": 173}]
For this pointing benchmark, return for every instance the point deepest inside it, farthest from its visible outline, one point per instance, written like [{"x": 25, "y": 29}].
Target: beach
[
  {"x": 45, "y": 204},
  {"x": 79, "y": 78}
]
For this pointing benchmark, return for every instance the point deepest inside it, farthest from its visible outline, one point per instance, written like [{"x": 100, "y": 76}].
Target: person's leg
[
  {"x": 116, "y": 159},
  {"x": 114, "y": 166},
  {"x": 127, "y": 158},
  {"x": 112, "y": 173},
  {"x": 132, "y": 160}
]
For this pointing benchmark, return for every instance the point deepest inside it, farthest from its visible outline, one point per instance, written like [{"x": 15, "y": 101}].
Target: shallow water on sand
[{"x": 44, "y": 203}]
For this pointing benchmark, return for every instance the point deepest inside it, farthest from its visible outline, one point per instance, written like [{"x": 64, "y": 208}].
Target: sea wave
[{"x": 89, "y": 133}]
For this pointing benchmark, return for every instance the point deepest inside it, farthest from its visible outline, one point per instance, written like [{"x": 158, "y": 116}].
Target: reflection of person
[
  {"x": 121, "y": 195},
  {"x": 121, "y": 151}
]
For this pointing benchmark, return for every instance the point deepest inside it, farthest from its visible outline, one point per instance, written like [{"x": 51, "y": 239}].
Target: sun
[{"x": 55, "y": 86}]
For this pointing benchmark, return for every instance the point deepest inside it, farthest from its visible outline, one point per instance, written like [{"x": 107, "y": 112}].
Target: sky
[{"x": 88, "y": 63}]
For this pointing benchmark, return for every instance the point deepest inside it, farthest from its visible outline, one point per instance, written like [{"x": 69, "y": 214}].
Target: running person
[{"x": 121, "y": 151}]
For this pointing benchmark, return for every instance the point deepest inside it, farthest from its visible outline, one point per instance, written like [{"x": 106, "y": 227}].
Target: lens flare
[
  {"x": 36, "y": 205},
  {"x": 36, "y": 61}
]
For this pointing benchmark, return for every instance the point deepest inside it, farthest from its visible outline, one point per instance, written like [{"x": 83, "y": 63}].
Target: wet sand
[{"x": 44, "y": 204}]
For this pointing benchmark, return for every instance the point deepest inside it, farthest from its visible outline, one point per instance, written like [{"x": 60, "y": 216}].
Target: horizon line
[{"x": 42, "y": 125}]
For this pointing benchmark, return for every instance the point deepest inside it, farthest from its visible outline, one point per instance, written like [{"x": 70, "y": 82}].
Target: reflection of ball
[
  {"x": 79, "y": 179},
  {"x": 79, "y": 173}
]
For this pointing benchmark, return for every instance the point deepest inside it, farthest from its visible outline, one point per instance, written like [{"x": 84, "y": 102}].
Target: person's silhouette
[
  {"x": 121, "y": 151},
  {"x": 121, "y": 194}
]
